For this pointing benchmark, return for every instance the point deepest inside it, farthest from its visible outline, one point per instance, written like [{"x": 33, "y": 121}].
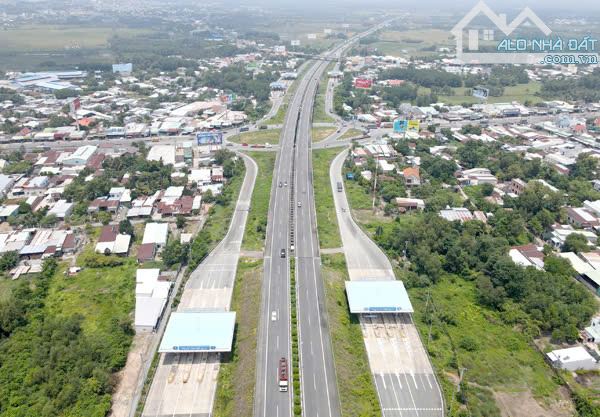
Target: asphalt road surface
[
  {"x": 185, "y": 383},
  {"x": 289, "y": 225},
  {"x": 404, "y": 378}
]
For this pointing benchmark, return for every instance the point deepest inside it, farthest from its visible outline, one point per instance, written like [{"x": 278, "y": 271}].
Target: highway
[
  {"x": 404, "y": 378},
  {"x": 185, "y": 384},
  {"x": 292, "y": 221}
]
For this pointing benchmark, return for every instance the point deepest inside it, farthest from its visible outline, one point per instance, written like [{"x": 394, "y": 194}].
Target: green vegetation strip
[
  {"x": 319, "y": 113},
  {"x": 355, "y": 383},
  {"x": 327, "y": 225},
  {"x": 256, "y": 226},
  {"x": 237, "y": 375},
  {"x": 216, "y": 226},
  {"x": 295, "y": 359},
  {"x": 257, "y": 137},
  {"x": 322, "y": 132},
  {"x": 279, "y": 117}
]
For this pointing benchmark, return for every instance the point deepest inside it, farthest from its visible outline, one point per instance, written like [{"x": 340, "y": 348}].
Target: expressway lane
[
  {"x": 319, "y": 386},
  {"x": 292, "y": 181}
]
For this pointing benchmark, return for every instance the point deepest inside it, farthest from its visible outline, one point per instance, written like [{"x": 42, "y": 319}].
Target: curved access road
[
  {"x": 403, "y": 375},
  {"x": 185, "y": 384}
]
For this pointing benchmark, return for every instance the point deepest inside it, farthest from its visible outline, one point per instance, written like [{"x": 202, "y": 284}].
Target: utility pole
[{"x": 375, "y": 183}]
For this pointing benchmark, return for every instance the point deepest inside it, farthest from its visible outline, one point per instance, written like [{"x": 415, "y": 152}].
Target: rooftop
[
  {"x": 199, "y": 332},
  {"x": 378, "y": 297}
]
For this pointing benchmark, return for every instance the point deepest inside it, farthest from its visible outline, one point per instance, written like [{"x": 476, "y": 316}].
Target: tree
[
  {"x": 125, "y": 227},
  {"x": 575, "y": 242},
  {"x": 104, "y": 217},
  {"x": 180, "y": 221},
  {"x": 8, "y": 260},
  {"x": 586, "y": 167},
  {"x": 175, "y": 253}
]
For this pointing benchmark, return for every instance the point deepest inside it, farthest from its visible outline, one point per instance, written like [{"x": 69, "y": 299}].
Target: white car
[
  {"x": 273, "y": 315},
  {"x": 299, "y": 204}
]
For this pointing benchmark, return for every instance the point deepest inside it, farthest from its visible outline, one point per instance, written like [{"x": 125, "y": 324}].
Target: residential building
[
  {"x": 516, "y": 186},
  {"x": 572, "y": 359},
  {"x": 156, "y": 233},
  {"x": 151, "y": 295},
  {"x": 80, "y": 156},
  {"x": 409, "y": 204},
  {"x": 456, "y": 213},
  {"x": 591, "y": 334},
  {"x": 113, "y": 242},
  {"x": 412, "y": 176},
  {"x": 581, "y": 218}
]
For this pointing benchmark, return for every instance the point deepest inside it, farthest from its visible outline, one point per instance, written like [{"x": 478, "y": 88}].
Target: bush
[{"x": 92, "y": 259}]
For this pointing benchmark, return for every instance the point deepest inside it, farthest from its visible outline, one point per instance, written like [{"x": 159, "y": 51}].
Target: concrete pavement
[
  {"x": 403, "y": 375},
  {"x": 291, "y": 225},
  {"x": 185, "y": 383}
]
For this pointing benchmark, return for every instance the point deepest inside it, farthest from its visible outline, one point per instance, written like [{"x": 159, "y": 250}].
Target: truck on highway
[
  {"x": 283, "y": 375},
  {"x": 339, "y": 187}
]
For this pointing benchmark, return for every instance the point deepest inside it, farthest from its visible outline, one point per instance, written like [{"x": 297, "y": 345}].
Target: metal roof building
[
  {"x": 388, "y": 296},
  {"x": 198, "y": 332}
]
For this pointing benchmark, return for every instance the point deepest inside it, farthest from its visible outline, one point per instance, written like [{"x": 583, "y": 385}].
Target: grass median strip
[
  {"x": 355, "y": 383},
  {"x": 319, "y": 113},
  {"x": 257, "y": 137},
  {"x": 327, "y": 225},
  {"x": 322, "y": 132},
  {"x": 295, "y": 359},
  {"x": 237, "y": 375},
  {"x": 256, "y": 227}
]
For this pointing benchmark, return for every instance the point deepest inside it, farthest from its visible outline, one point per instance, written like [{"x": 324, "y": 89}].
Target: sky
[{"x": 583, "y": 6}]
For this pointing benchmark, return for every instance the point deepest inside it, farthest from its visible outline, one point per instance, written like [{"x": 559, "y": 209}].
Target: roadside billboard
[
  {"x": 400, "y": 125},
  {"x": 209, "y": 138},
  {"x": 363, "y": 83},
  {"x": 481, "y": 93},
  {"x": 413, "y": 125}
]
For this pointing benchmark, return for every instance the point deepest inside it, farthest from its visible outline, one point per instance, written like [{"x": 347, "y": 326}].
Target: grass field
[
  {"x": 257, "y": 137},
  {"x": 357, "y": 392},
  {"x": 50, "y": 37},
  {"x": 279, "y": 117},
  {"x": 256, "y": 227},
  {"x": 327, "y": 225},
  {"x": 520, "y": 93},
  {"x": 321, "y": 132},
  {"x": 411, "y": 42},
  {"x": 496, "y": 356},
  {"x": 6, "y": 286},
  {"x": 235, "y": 386},
  {"x": 101, "y": 295}
]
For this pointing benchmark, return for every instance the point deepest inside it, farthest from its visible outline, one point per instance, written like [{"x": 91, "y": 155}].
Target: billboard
[
  {"x": 209, "y": 138},
  {"x": 363, "y": 83},
  {"x": 122, "y": 68},
  {"x": 295, "y": 42},
  {"x": 227, "y": 98},
  {"x": 413, "y": 125},
  {"x": 75, "y": 105},
  {"x": 481, "y": 93},
  {"x": 400, "y": 125}
]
